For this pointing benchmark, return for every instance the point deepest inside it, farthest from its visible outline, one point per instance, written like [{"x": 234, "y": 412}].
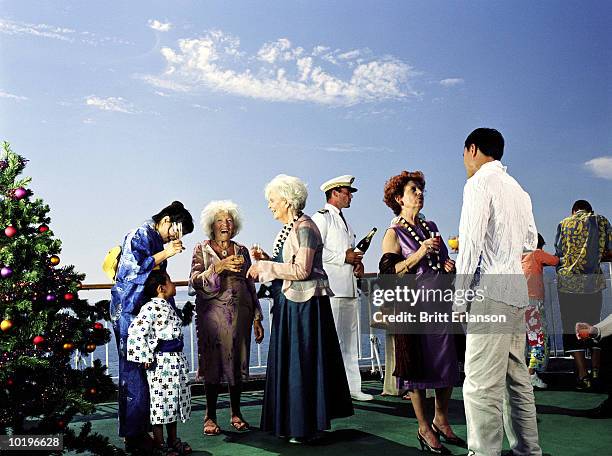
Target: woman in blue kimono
[{"x": 142, "y": 251}]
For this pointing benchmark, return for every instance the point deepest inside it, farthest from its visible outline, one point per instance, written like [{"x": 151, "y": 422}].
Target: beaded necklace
[
  {"x": 433, "y": 259},
  {"x": 284, "y": 233}
]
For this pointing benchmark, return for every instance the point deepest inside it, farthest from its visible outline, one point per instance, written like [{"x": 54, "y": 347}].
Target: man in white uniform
[
  {"x": 342, "y": 265},
  {"x": 496, "y": 226}
]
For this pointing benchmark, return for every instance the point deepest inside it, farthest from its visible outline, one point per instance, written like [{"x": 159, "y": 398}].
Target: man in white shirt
[
  {"x": 496, "y": 227},
  {"x": 342, "y": 265}
]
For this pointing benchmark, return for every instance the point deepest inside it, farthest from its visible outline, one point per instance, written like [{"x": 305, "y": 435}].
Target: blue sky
[{"x": 124, "y": 106}]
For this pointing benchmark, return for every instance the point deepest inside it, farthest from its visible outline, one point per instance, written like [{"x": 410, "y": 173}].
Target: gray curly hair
[
  {"x": 290, "y": 188},
  {"x": 207, "y": 218}
]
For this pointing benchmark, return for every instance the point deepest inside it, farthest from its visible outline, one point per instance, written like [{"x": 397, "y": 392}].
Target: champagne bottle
[{"x": 364, "y": 244}]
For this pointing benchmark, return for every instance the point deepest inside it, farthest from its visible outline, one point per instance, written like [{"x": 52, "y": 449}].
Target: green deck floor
[{"x": 385, "y": 427}]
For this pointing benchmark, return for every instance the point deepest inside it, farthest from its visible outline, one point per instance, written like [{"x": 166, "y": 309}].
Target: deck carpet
[{"x": 384, "y": 427}]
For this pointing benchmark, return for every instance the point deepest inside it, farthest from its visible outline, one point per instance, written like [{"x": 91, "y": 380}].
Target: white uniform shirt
[
  {"x": 337, "y": 239},
  {"x": 496, "y": 227}
]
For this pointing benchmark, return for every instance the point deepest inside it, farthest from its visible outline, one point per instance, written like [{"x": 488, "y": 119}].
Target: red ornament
[
  {"x": 68, "y": 297},
  {"x": 10, "y": 231},
  {"x": 38, "y": 340},
  {"x": 92, "y": 391},
  {"x": 43, "y": 228},
  {"x": 9, "y": 381},
  {"x": 98, "y": 326},
  {"x": 60, "y": 424}
]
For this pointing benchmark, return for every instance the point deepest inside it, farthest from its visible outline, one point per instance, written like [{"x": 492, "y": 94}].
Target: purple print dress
[
  {"x": 226, "y": 305},
  {"x": 438, "y": 366}
]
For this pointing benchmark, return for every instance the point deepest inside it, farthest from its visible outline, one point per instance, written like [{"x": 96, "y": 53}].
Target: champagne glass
[
  {"x": 453, "y": 243},
  {"x": 178, "y": 230},
  {"x": 435, "y": 235}
]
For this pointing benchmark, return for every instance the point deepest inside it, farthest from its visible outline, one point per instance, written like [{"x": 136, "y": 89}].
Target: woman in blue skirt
[{"x": 306, "y": 385}]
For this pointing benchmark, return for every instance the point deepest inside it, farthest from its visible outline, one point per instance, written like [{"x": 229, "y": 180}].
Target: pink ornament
[
  {"x": 50, "y": 297},
  {"x": 20, "y": 193},
  {"x": 6, "y": 272},
  {"x": 10, "y": 231}
]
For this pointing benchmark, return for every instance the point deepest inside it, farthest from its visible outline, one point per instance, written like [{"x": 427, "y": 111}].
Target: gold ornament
[{"x": 6, "y": 325}]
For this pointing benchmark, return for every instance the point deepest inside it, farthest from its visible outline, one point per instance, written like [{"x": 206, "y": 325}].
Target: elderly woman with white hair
[
  {"x": 226, "y": 309},
  {"x": 306, "y": 385}
]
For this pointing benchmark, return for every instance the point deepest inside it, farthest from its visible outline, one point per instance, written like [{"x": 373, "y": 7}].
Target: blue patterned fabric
[{"x": 127, "y": 298}]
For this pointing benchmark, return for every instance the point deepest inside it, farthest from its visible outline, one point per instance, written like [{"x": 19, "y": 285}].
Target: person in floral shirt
[{"x": 584, "y": 240}]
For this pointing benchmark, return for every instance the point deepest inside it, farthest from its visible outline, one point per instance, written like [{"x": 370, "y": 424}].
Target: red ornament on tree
[
  {"x": 68, "y": 297},
  {"x": 10, "y": 231},
  {"x": 98, "y": 326},
  {"x": 43, "y": 228},
  {"x": 38, "y": 340}
]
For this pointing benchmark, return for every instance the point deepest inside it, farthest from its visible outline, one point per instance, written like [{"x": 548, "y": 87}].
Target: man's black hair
[{"x": 488, "y": 140}]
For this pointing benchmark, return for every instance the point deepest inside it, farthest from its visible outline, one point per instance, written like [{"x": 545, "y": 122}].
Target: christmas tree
[{"x": 45, "y": 326}]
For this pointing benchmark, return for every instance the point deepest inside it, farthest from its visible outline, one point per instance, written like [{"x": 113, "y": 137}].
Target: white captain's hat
[{"x": 340, "y": 181}]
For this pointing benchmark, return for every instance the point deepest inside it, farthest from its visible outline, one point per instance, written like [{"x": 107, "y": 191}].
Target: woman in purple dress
[
  {"x": 227, "y": 310},
  {"x": 427, "y": 360}
]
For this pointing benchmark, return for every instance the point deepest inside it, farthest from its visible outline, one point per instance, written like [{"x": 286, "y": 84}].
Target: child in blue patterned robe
[{"x": 155, "y": 339}]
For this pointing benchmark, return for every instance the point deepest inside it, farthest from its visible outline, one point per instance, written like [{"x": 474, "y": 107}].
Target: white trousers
[
  {"x": 497, "y": 391},
  {"x": 345, "y": 312}
]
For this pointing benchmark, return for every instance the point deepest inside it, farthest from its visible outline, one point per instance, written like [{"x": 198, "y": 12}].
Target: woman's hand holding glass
[
  {"x": 173, "y": 248},
  {"x": 431, "y": 245},
  {"x": 232, "y": 263},
  {"x": 258, "y": 254}
]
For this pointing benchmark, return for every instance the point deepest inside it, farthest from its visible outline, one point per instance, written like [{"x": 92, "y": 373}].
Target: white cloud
[
  {"x": 451, "y": 82},
  {"x": 354, "y": 148},
  {"x": 159, "y": 26},
  {"x": 115, "y": 104},
  {"x": 9, "y": 27},
  {"x": 89, "y": 121},
  {"x": 280, "y": 71},
  {"x": 601, "y": 167},
  {"x": 41, "y": 30},
  {"x": 4, "y": 94},
  {"x": 349, "y": 55}
]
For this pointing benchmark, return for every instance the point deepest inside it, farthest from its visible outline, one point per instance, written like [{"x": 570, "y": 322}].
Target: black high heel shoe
[
  {"x": 429, "y": 449},
  {"x": 458, "y": 441}
]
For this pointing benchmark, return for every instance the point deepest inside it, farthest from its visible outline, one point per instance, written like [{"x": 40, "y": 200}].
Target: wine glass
[{"x": 256, "y": 251}]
